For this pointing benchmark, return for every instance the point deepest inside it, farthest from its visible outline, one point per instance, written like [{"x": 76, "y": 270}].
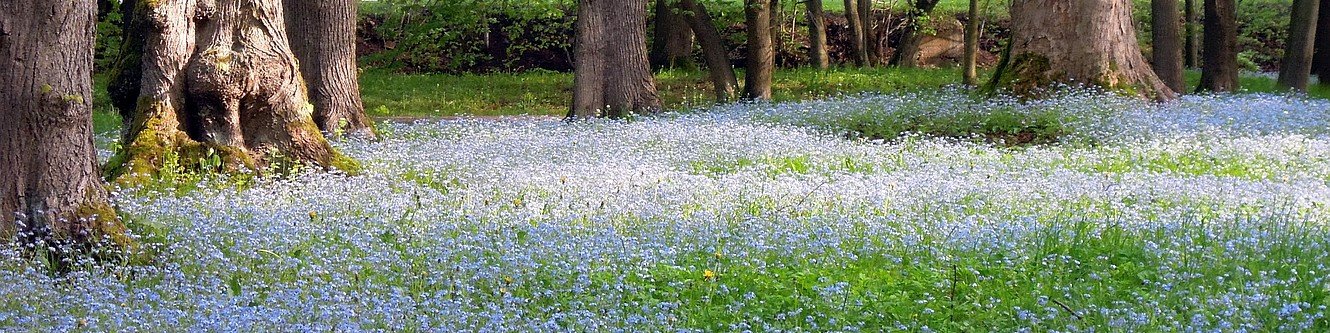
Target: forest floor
[{"x": 866, "y": 212}]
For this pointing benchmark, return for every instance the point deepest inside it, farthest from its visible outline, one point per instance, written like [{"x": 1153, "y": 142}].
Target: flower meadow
[{"x": 861, "y": 213}]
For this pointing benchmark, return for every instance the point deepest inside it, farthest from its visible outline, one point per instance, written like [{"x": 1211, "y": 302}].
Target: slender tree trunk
[
  {"x": 672, "y": 46},
  {"x": 612, "y": 76},
  {"x": 713, "y": 50},
  {"x": 214, "y": 77},
  {"x": 50, "y": 189},
  {"x": 1193, "y": 43},
  {"x": 1295, "y": 69},
  {"x": 872, "y": 51},
  {"x": 907, "y": 55},
  {"x": 1076, "y": 42},
  {"x": 761, "y": 58},
  {"x": 1166, "y": 35},
  {"x": 860, "y": 51},
  {"x": 970, "y": 64},
  {"x": 1219, "y": 70},
  {"x": 323, "y": 38},
  {"x": 1321, "y": 55},
  {"x": 817, "y": 35}
]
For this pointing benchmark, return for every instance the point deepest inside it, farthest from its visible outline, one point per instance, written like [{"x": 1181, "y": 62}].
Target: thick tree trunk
[
  {"x": 858, "y": 43},
  {"x": 672, "y": 44},
  {"x": 50, "y": 188},
  {"x": 872, "y": 49},
  {"x": 907, "y": 55},
  {"x": 713, "y": 50},
  {"x": 970, "y": 63},
  {"x": 1295, "y": 69},
  {"x": 1193, "y": 43},
  {"x": 323, "y": 38},
  {"x": 1166, "y": 35},
  {"x": 761, "y": 58},
  {"x": 1321, "y": 55},
  {"x": 213, "y": 77},
  {"x": 612, "y": 76},
  {"x": 1076, "y": 42},
  {"x": 817, "y": 35},
  {"x": 1219, "y": 68}
]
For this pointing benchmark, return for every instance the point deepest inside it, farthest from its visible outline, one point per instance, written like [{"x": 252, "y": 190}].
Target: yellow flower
[
  {"x": 508, "y": 279},
  {"x": 718, "y": 255},
  {"x": 313, "y": 215},
  {"x": 708, "y": 274}
]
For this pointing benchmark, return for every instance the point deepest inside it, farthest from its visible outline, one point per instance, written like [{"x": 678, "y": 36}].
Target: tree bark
[
  {"x": 613, "y": 75},
  {"x": 1193, "y": 42},
  {"x": 907, "y": 55},
  {"x": 1166, "y": 38},
  {"x": 1295, "y": 69},
  {"x": 323, "y": 38},
  {"x": 1076, "y": 42},
  {"x": 859, "y": 42},
  {"x": 714, "y": 51},
  {"x": 761, "y": 58},
  {"x": 672, "y": 46},
  {"x": 872, "y": 51},
  {"x": 51, "y": 193},
  {"x": 213, "y": 77},
  {"x": 817, "y": 35},
  {"x": 970, "y": 63},
  {"x": 1321, "y": 53},
  {"x": 1219, "y": 68}
]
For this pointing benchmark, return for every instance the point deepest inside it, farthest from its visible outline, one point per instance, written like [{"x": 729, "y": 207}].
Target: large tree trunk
[
  {"x": 1295, "y": 69},
  {"x": 612, "y": 76},
  {"x": 761, "y": 58},
  {"x": 1193, "y": 43},
  {"x": 858, "y": 40},
  {"x": 1166, "y": 36},
  {"x": 714, "y": 51},
  {"x": 1321, "y": 54},
  {"x": 872, "y": 46},
  {"x": 672, "y": 46},
  {"x": 907, "y": 55},
  {"x": 323, "y": 38},
  {"x": 50, "y": 188},
  {"x": 817, "y": 35},
  {"x": 213, "y": 77},
  {"x": 1076, "y": 42},
  {"x": 1219, "y": 69},
  {"x": 970, "y": 63}
]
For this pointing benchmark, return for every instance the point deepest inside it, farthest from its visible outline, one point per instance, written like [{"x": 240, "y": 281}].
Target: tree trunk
[
  {"x": 50, "y": 189},
  {"x": 713, "y": 50},
  {"x": 970, "y": 70},
  {"x": 612, "y": 76},
  {"x": 1321, "y": 54},
  {"x": 777, "y": 43},
  {"x": 817, "y": 35},
  {"x": 907, "y": 55},
  {"x": 761, "y": 58},
  {"x": 1295, "y": 69},
  {"x": 1076, "y": 42},
  {"x": 872, "y": 51},
  {"x": 1166, "y": 36},
  {"x": 213, "y": 77},
  {"x": 672, "y": 46},
  {"x": 858, "y": 41},
  {"x": 1193, "y": 43},
  {"x": 1219, "y": 70},
  {"x": 323, "y": 38}
]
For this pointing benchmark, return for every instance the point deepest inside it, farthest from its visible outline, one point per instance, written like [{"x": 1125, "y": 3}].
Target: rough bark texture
[
  {"x": 323, "y": 37},
  {"x": 970, "y": 63},
  {"x": 672, "y": 44},
  {"x": 1321, "y": 55},
  {"x": 761, "y": 57},
  {"x": 213, "y": 78},
  {"x": 714, "y": 51},
  {"x": 873, "y": 53},
  {"x": 817, "y": 35},
  {"x": 859, "y": 41},
  {"x": 1295, "y": 69},
  {"x": 1166, "y": 37},
  {"x": 613, "y": 75},
  {"x": 50, "y": 187},
  {"x": 1076, "y": 42},
  {"x": 1219, "y": 68},
  {"x": 1192, "y": 52},
  {"x": 907, "y": 55}
]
